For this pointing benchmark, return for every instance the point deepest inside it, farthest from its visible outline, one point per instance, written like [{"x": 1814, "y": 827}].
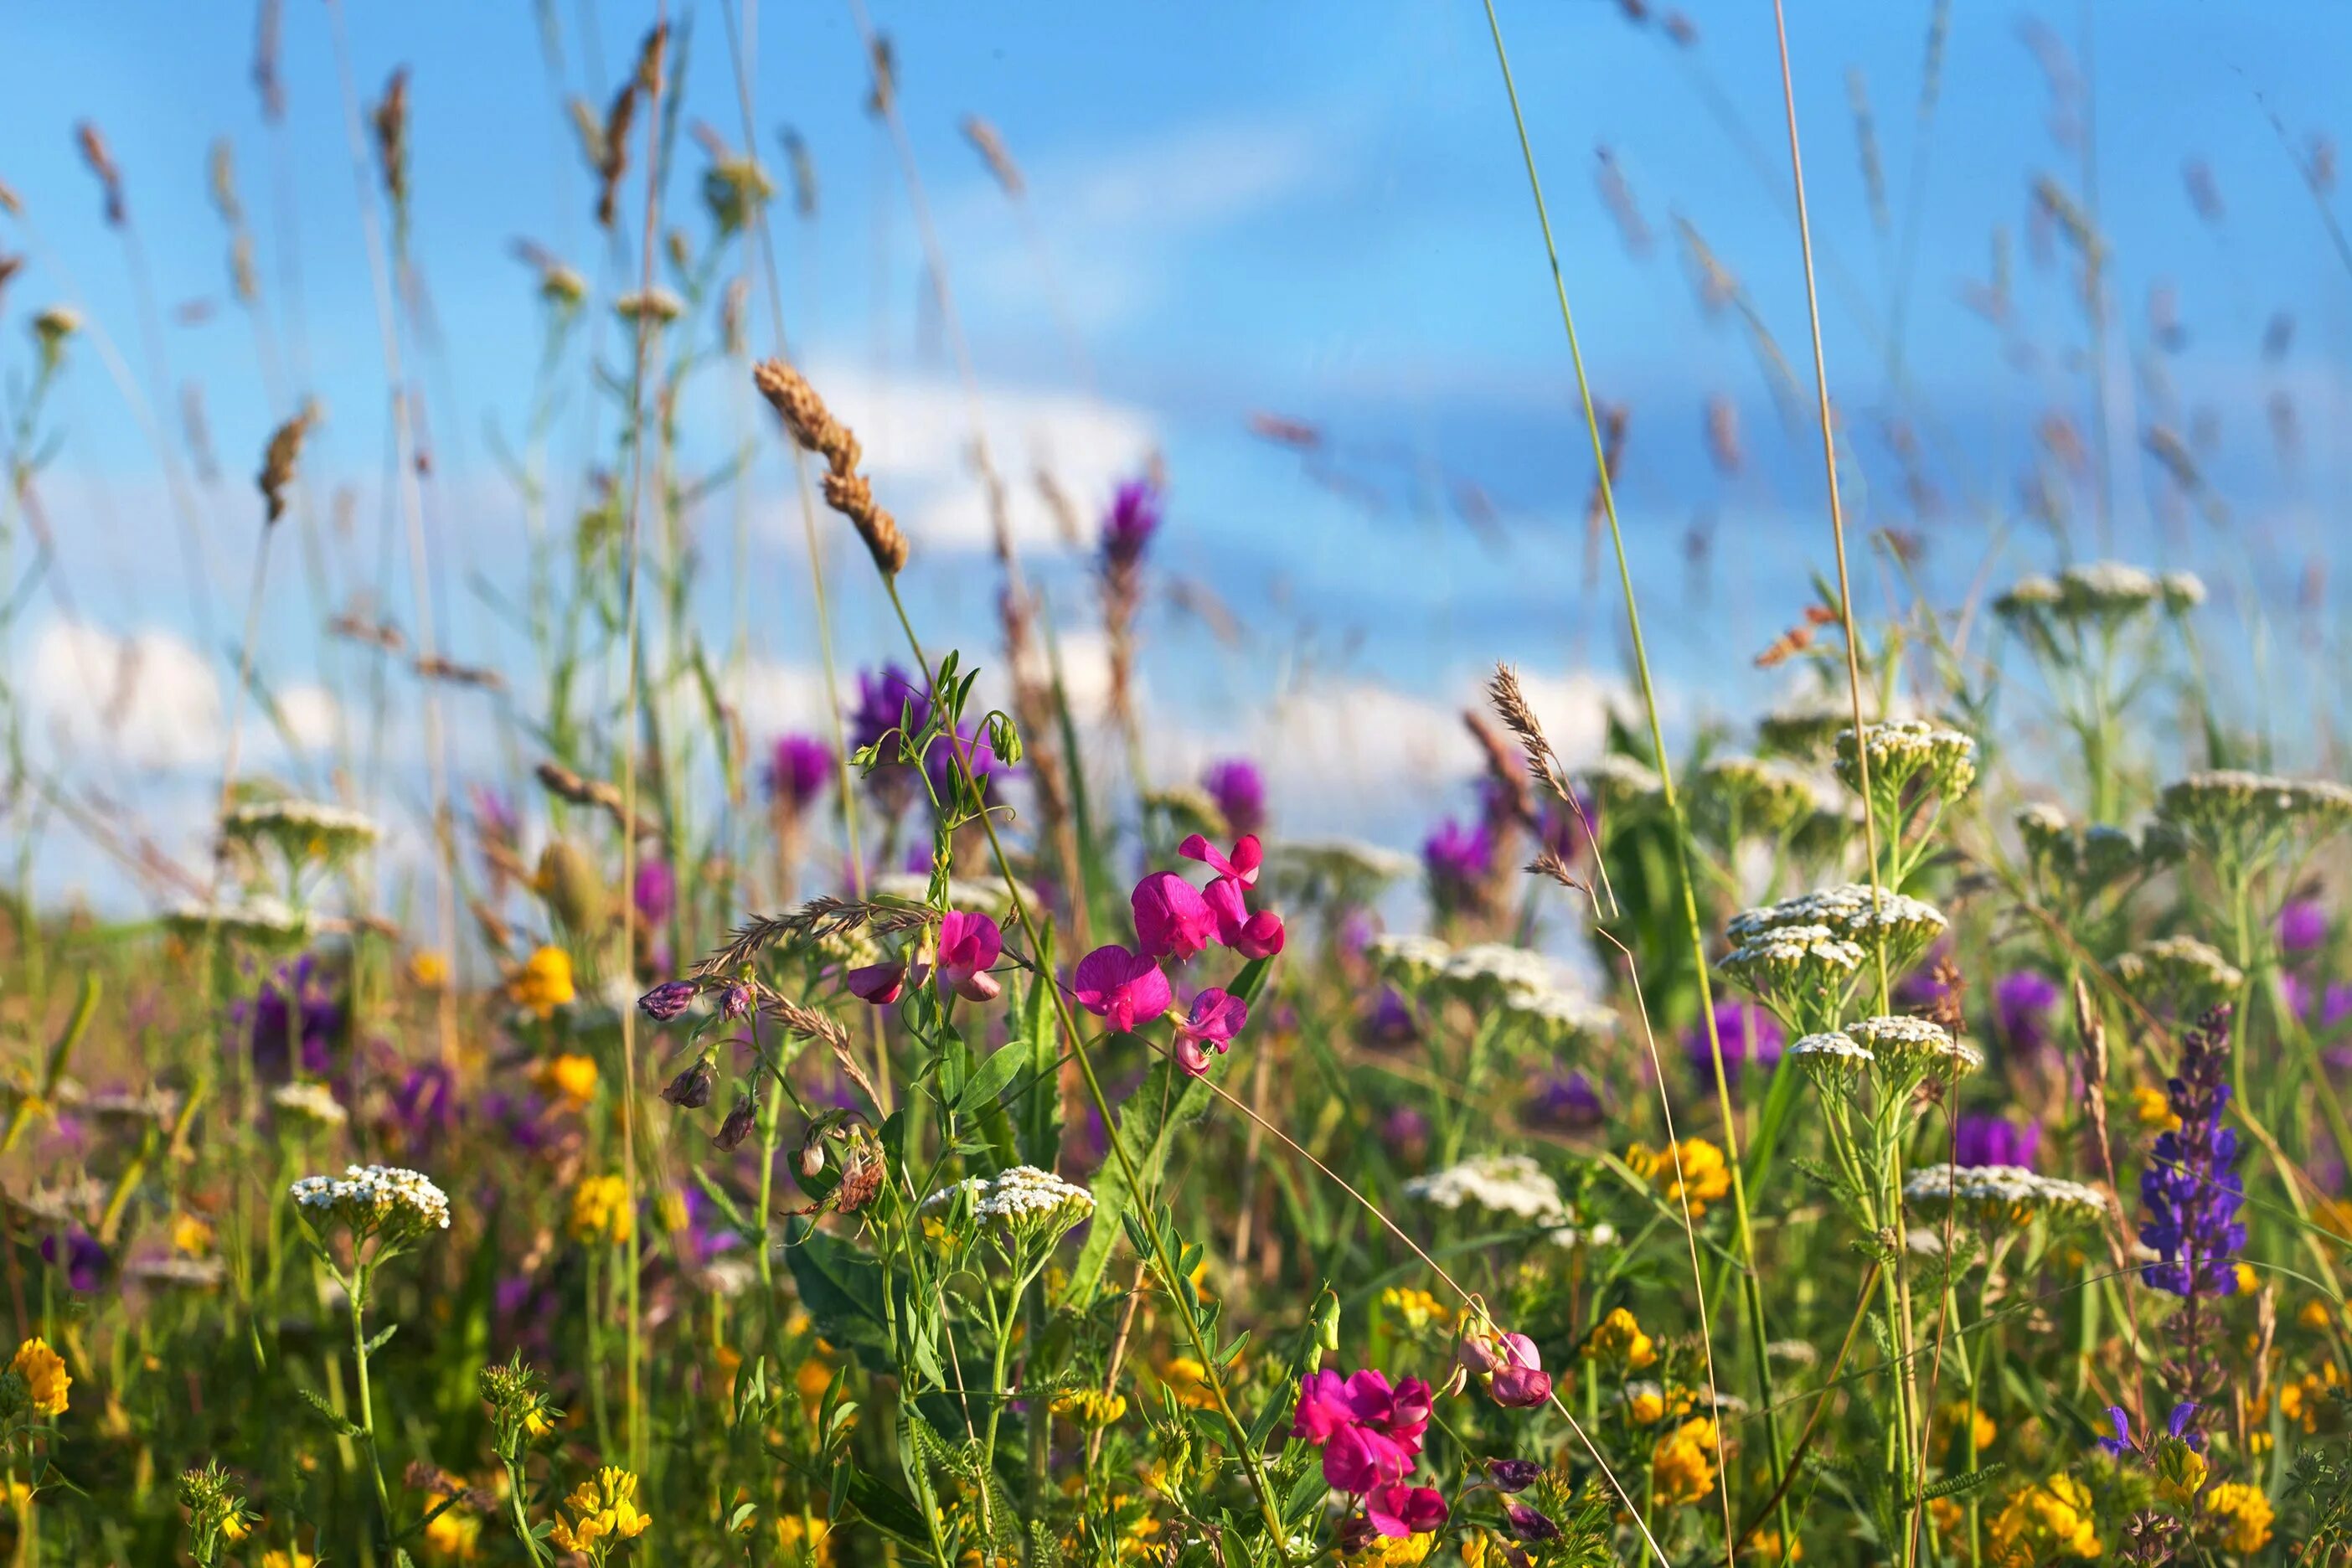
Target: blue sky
[{"x": 1313, "y": 210}]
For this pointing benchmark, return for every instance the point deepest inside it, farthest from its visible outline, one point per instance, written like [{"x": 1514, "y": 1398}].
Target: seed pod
[
  {"x": 811, "y": 1159},
  {"x": 690, "y": 1090},
  {"x": 572, "y": 887},
  {"x": 738, "y": 1125}
]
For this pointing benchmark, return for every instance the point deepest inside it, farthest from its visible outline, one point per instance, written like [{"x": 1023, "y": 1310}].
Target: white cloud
[
  {"x": 148, "y": 699},
  {"x": 1084, "y": 655},
  {"x": 917, "y": 432},
  {"x": 310, "y": 715},
  {"x": 771, "y": 697}
]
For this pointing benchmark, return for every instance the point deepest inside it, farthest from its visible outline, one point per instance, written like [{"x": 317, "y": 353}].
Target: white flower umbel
[
  {"x": 1331, "y": 872},
  {"x": 1908, "y": 757},
  {"x": 1911, "y": 1051},
  {"x": 1024, "y": 1202},
  {"x": 1736, "y": 797},
  {"x": 1486, "y": 969},
  {"x": 1510, "y": 1184},
  {"x": 1408, "y": 959},
  {"x": 1618, "y": 780},
  {"x": 261, "y": 920},
  {"x": 2106, "y": 590},
  {"x": 309, "y": 1102},
  {"x": 2182, "y": 970},
  {"x": 389, "y": 1203},
  {"x": 1995, "y": 1197},
  {"x": 2182, "y": 591},
  {"x": 302, "y": 823},
  {"x": 976, "y": 895},
  {"x": 1832, "y": 1058}
]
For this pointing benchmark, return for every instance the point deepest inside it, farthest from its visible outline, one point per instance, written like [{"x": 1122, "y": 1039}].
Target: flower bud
[
  {"x": 690, "y": 1090},
  {"x": 570, "y": 884},
  {"x": 811, "y": 1159},
  {"x": 738, "y": 1125},
  {"x": 735, "y": 1001},
  {"x": 668, "y": 1001}
]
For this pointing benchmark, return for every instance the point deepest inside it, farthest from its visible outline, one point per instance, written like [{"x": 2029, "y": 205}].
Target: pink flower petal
[
  {"x": 879, "y": 984},
  {"x": 1170, "y": 918}
]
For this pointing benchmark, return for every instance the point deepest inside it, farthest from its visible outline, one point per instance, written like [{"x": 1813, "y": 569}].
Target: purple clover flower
[
  {"x": 799, "y": 770},
  {"x": 2302, "y": 925},
  {"x": 1127, "y": 530},
  {"x": 1239, "y": 790},
  {"x": 1456, "y": 858},
  {"x": 1748, "y": 1033},
  {"x": 1995, "y": 1141}
]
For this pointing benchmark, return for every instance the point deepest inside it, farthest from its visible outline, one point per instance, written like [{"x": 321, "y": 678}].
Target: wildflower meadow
[{"x": 515, "y": 1071}]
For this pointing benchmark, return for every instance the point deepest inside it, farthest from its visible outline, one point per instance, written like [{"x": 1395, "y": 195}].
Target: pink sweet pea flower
[
  {"x": 1241, "y": 867},
  {"x": 969, "y": 943},
  {"x": 1258, "y": 935},
  {"x": 1171, "y": 918},
  {"x": 880, "y": 983},
  {"x": 1521, "y": 1383},
  {"x": 1122, "y": 988},
  {"x": 1369, "y": 1433},
  {"x": 1217, "y": 1016},
  {"x": 1402, "y": 1510}
]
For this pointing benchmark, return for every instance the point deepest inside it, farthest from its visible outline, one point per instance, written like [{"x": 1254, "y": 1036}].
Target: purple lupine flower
[
  {"x": 1127, "y": 530},
  {"x": 2179, "y": 1424},
  {"x": 2302, "y": 925},
  {"x": 799, "y": 770},
  {"x": 78, "y": 1252},
  {"x": 424, "y": 1106},
  {"x": 1456, "y": 860},
  {"x": 2021, "y": 1006},
  {"x": 2191, "y": 1187},
  {"x": 1747, "y": 1032},
  {"x": 1239, "y": 790},
  {"x": 295, "y": 1018},
  {"x": 1995, "y": 1141}
]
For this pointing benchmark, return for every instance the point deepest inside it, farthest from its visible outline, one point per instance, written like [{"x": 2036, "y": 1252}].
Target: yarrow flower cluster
[
  {"x": 1908, "y": 756},
  {"x": 1736, "y": 796},
  {"x": 2179, "y": 972},
  {"x": 1022, "y": 1200},
  {"x": 385, "y": 1200},
  {"x": 1999, "y": 1197},
  {"x": 2242, "y": 818},
  {"x": 310, "y": 1103},
  {"x": 1909, "y": 1051},
  {"x": 301, "y": 830},
  {"x": 2089, "y": 857},
  {"x": 1502, "y": 1184}
]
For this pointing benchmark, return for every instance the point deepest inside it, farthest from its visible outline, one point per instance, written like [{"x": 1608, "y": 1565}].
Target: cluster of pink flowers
[
  {"x": 1126, "y": 987},
  {"x": 969, "y": 947},
  {"x": 1371, "y": 1436},
  {"x": 1510, "y": 1365}
]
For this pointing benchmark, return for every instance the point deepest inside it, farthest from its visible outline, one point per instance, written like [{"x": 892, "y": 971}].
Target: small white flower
[
  {"x": 370, "y": 1199},
  {"x": 1502, "y": 1184},
  {"x": 310, "y": 1101}
]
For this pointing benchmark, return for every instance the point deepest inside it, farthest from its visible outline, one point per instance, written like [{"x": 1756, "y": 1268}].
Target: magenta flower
[
  {"x": 1457, "y": 859},
  {"x": 1241, "y": 866},
  {"x": 1368, "y": 1431},
  {"x": 880, "y": 983},
  {"x": 654, "y": 892},
  {"x": 969, "y": 945},
  {"x": 667, "y": 1000},
  {"x": 1171, "y": 917},
  {"x": 1258, "y": 935},
  {"x": 2302, "y": 925},
  {"x": 1239, "y": 791},
  {"x": 1402, "y": 1510},
  {"x": 1127, "y": 528},
  {"x": 799, "y": 771},
  {"x": 1217, "y": 1016},
  {"x": 1995, "y": 1141},
  {"x": 1510, "y": 1365},
  {"x": 1122, "y": 988}
]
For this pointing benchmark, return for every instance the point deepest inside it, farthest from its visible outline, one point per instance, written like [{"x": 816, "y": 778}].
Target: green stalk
[{"x": 1751, "y": 1286}]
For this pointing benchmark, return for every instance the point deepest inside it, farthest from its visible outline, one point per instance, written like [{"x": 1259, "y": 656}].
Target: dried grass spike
[{"x": 277, "y": 461}]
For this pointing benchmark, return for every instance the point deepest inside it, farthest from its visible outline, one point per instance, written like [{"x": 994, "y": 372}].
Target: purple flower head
[
  {"x": 424, "y": 1106},
  {"x": 1570, "y": 1102},
  {"x": 1456, "y": 860},
  {"x": 654, "y": 892},
  {"x": 83, "y": 1258},
  {"x": 2191, "y": 1186},
  {"x": 296, "y": 1017},
  {"x": 883, "y": 696},
  {"x": 2302, "y": 925},
  {"x": 1513, "y": 1475},
  {"x": 495, "y": 815},
  {"x": 1239, "y": 791},
  {"x": 799, "y": 770},
  {"x": 1995, "y": 1141},
  {"x": 1388, "y": 1021},
  {"x": 1746, "y": 1033},
  {"x": 2021, "y": 1004},
  {"x": 667, "y": 1000},
  {"x": 1127, "y": 530},
  {"x": 1405, "y": 1130}
]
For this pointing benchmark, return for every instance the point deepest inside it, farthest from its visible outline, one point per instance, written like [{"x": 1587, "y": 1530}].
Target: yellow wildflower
[
  {"x": 454, "y": 1535},
  {"x": 1416, "y": 1309},
  {"x": 812, "y": 1379},
  {"x": 43, "y": 1372},
  {"x": 1952, "y": 1426},
  {"x": 544, "y": 983},
  {"x": 2247, "y": 1511},
  {"x": 1693, "y": 1169},
  {"x": 2248, "y": 1281},
  {"x": 2313, "y": 1314},
  {"x": 1764, "y": 1546},
  {"x": 811, "y": 1541},
  {"x": 191, "y": 1236},
  {"x": 1391, "y": 1551},
  {"x": 236, "y": 1526},
  {"x": 1648, "y": 1407},
  {"x": 600, "y": 1210},
  {"x": 427, "y": 971},
  {"x": 2154, "y": 1109},
  {"x": 1620, "y": 1342},
  {"x": 570, "y": 1077},
  {"x": 293, "y": 1557},
  {"x": 1682, "y": 1465},
  {"x": 1187, "y": 1380},
  {"x": 605, "y": 1509},
  {"x": 1089, "y": 1407},
  {"x": 2052, "y": 1519}
]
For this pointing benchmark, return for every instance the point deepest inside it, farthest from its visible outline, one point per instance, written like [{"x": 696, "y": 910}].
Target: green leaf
[
  {"x": 994, "y": 1073},
  {"x": 383, "y": 1338},
  {"x": 841, "y": 1288},
  {"x": 327, "y": 1412}
]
